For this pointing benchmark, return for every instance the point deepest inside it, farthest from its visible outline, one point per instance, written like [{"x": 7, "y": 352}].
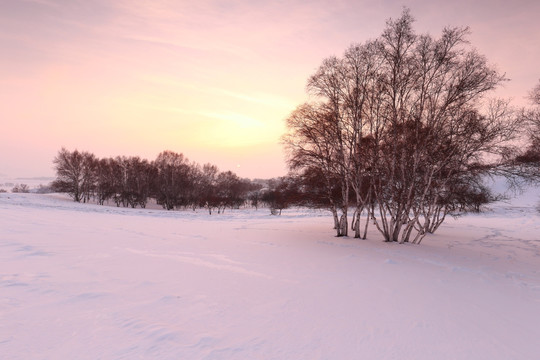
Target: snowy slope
[{"x": 93, "y": 282}]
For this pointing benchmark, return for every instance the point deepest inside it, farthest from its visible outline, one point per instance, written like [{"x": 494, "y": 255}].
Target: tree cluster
[
  {"x": 20, "y": 188},
  {"x": 399, "y": 129},
  {"x": 170, "y": 179},
  {"x": 525, "y": 167}
]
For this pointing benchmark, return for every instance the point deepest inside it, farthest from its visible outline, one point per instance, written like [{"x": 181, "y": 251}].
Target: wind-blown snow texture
[{"x": 92, "y": 282}]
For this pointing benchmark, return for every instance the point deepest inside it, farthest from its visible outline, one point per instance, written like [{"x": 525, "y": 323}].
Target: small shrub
[{"x": 22, "y": 188}]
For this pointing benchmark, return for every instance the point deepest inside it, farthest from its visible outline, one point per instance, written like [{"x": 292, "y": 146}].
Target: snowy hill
[{"x": 94, "y": 282}]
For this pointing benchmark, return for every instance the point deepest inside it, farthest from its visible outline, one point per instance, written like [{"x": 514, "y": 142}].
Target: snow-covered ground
[{"x": 92, "y": 282}]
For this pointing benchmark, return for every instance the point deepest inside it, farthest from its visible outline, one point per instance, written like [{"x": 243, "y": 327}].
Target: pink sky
[{"x": 213, "y": 80}]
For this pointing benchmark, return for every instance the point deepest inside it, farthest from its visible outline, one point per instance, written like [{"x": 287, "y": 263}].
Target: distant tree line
[
  {"x": 170, "y": 179},
  {"x": 526, "y": 164},
  {"x": 399, "y": 129}
]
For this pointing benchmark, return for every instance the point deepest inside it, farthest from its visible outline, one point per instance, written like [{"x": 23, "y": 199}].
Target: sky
[{"x": 214, "y": 80}]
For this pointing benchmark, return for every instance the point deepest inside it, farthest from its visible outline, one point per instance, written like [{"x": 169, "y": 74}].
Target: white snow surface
[{"x": 81, "y": 281}]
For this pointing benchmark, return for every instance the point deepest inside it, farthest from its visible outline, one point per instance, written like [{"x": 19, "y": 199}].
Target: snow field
[{"x": 92, "y": 282}]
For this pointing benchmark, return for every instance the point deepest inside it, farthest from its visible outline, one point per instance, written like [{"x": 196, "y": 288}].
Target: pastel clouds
[{"x": 212, "y": 79}]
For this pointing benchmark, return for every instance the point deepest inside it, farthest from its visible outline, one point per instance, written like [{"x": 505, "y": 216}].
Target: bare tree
[
  {"x": 525, "y": 167},
  {"x": 532, "y": 118},
  {"x": 282, "y": 193},
  {"x": 402, "y": 120},
  {"x": 310, "y": 143},
  {"x": 106, "y": 180},
  {"x": 208, "y": 188},
  {"x": 134, "y": 181},
  {"x": 231, "y": 190},
  {"x": 172, "y": 178},
  {"x": 74, "y": 174}
]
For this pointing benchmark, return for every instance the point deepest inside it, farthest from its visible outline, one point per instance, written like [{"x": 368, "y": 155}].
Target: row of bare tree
[
  {"x": 399, "y": 127},
  {"x": 131, "y": 181}
]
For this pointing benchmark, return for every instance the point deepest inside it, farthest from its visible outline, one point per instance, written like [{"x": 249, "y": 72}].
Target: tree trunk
[{"x": 343, "y": 224}]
